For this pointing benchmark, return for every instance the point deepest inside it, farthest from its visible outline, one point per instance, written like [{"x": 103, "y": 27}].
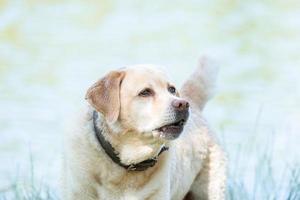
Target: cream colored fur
[{"x": 195, "y": 163}]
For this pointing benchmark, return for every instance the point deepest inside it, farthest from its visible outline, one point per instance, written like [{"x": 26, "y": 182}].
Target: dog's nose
[{"x": 180, "y": 105}]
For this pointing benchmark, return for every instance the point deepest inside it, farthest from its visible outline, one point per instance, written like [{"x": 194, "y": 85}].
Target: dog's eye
[
  {"x": 172, "y": 90},
  {"x": 146, "y": 92}
]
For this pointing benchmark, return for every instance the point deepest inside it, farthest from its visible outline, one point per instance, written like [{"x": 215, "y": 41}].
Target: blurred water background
[{"x": 51, "y": 51}]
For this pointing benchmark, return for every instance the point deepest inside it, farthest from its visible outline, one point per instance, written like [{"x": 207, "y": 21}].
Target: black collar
[{"x": 110, "y": 151}]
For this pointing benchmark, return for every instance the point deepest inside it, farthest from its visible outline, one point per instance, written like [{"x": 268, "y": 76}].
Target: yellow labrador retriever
[{"x": 140, "y": 138}]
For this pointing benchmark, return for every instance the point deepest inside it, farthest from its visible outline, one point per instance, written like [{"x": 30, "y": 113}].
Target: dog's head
[{"x": 142, "y": 100}]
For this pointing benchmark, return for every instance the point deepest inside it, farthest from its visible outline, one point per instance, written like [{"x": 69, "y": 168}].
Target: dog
[{"x": 141, "y": 138}]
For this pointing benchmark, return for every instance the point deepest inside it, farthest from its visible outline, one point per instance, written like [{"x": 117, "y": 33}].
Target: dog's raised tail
[{"x": 200, "y": 86}]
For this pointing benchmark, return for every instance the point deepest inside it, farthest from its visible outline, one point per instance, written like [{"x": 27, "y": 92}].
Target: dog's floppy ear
[{"x": 104, "y": 95}]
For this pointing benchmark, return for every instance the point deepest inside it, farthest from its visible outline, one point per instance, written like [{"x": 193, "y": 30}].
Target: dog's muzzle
[{"x": 173, "y": 130}]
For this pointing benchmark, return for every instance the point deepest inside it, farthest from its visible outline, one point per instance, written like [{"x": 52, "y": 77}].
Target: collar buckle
[{"x": 131, "y": 167}]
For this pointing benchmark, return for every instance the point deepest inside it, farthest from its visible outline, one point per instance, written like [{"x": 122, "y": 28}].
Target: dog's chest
[
  {"x": 136, "y": 186},
  {"x": 172, "y": 181}
]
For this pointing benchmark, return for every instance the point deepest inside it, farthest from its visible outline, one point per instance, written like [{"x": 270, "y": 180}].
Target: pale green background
[{"x": 51, "y": 51}]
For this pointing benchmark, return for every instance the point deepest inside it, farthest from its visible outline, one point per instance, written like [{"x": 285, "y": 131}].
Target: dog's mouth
[
  {"x": 172, "y": 126},
  {"x": 173, "y": 130}
]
